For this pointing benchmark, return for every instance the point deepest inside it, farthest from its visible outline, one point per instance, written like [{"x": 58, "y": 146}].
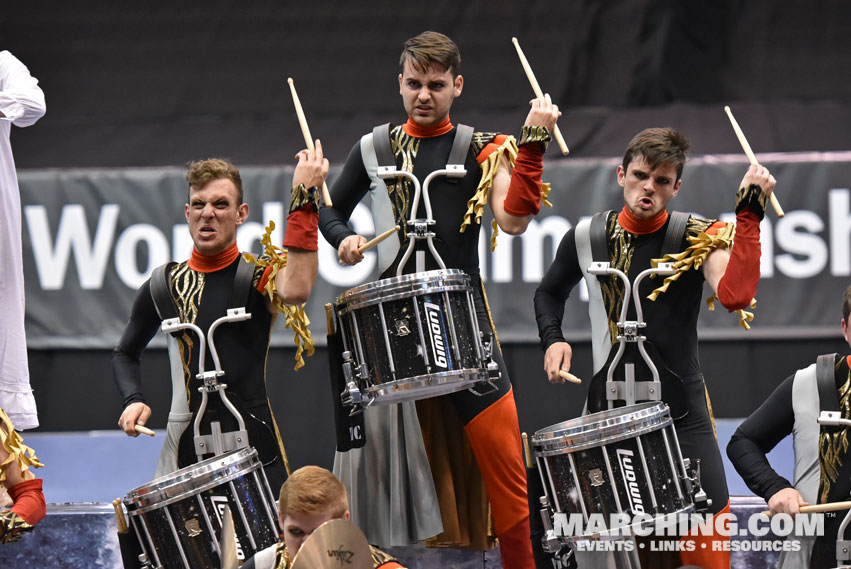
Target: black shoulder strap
[
  {"x": 828, "y": 398},
  {"x": 242, "y": 281},
  {"x": 597, "y": 233},
  {"x": 461, "y": 145},
  {"x": 382, "y": 146},
  {"x": 676, "y": 230},
  {"x": 161, "y": 291}
]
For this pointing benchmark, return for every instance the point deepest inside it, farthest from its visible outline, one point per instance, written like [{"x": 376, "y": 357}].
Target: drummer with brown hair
[
  {"x": 200, "y": 290},
  {"x": 310, "y": 497},
  {"x": 507, "y": 176},
  {"x": 703, "y": 251}
]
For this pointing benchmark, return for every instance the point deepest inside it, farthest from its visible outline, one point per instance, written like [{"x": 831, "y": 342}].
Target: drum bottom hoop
[
  {"x": 426, "y": 386},
  {"x": 662, "y": 520}
]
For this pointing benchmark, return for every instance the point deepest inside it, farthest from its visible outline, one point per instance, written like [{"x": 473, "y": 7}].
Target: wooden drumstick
[
  {"x": 141, "y": 429},
  {"x": 815, "y": 508},
  {"x": 527, "y": 452},
  {"x": 751, "y": 157},
  {"x": 329, "y": 318},
  {"x": 119, "y": 516},
  {"x": 538, "y": 93},
  {"x": 568, "y": 376},
  {"x": 375, "y": 241},
  {"x": 308, "y": 140}
]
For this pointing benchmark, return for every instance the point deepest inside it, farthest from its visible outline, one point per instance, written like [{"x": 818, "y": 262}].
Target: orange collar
[
  {"x": 211, "y": 263},
  {"x": 641, "y": 226},
  {"x": 418, "y": 131}
]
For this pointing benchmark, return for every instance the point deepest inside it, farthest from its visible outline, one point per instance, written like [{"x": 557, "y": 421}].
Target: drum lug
[
  {"x": 352, "y": 396},
  {"x": 693, "y": 487}
]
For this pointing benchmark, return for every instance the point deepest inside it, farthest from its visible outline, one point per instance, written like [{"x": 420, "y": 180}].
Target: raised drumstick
[
  {"x": 538, "y": 93},
  {"x": 308, "y": 140},
  {"x": 376, "y": 240},
  {"x": 568, "y": 376},
  {"x": 751, "y": 156}
]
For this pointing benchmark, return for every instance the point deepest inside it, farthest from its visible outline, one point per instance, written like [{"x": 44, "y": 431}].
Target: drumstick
[
  {"x": 375, "y": 241},
  {"x": 141, "y": 429},
  {"x": 308, "y": 140},
  {"x": 751, "y": 157},
  {"x": 829, "y": 507},
  {"x": 568, "y": 376},
  {"x": 538, "y": 93},
  {"x": 527, "y": 452},
  {"x": 329, "y": 318},
  {"x": 119, "y": 516}
]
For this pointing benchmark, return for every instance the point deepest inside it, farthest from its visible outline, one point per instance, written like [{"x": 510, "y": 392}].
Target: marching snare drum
[
  {"x": 621, "y": 461},
  {"x": 413, "y": 336},
  {"x": 178, "y": 518}
]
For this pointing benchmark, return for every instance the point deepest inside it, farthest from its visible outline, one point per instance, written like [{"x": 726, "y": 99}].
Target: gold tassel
[
  {"x": 13, "y": 444},
  {"x": 476, "y": 204},
  {"x": 296, "y": 318}
]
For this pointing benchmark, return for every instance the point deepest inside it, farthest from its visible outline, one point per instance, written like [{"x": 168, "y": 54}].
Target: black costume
[
  {"x": 201, "y": 298},
  {"x": 822, "y": 473},
  {"x": 490, "y": 421}
]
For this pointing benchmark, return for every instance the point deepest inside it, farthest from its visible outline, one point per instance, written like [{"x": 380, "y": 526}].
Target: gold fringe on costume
[
  {"x": 833, "y": 444},
  {"x": 13, "y": 444},
  {"x": 693, "y": 258},
  {"x": 490, "y": 166},
  {"x": 296, "y": 318}
]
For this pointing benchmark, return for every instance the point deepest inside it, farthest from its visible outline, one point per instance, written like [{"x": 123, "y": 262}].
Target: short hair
[
  {"x": 658, "y": 146},
  {"x": 846, "y": 305},
  {"x": 311, "y": 490},
  {"x": 202, "y": 172},
  {"x": 431, "y": 49}
]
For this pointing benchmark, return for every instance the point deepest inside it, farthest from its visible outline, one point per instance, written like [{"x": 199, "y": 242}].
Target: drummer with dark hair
[
  {"x": 429, "y": 82},
  {"x": 310, "y": 497},
  {"x": 633, "y": 239}
]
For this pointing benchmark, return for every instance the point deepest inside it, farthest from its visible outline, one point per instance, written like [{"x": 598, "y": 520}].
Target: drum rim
[
  {"x": 160, "y": 492},
  {"x": 578, "y": 434},
  {"x": 405, "y": 285},
  {"x": 458, "y": 378}
]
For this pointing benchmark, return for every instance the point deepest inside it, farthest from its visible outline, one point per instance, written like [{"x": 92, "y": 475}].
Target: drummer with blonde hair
[{"x": 310, "y": 497}]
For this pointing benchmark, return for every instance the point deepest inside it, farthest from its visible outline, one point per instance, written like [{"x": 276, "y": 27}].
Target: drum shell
[
  {"x": 625, "y": 460},
  {"x": 413, "y": 336},
  {"x": 178, "y": 517}
]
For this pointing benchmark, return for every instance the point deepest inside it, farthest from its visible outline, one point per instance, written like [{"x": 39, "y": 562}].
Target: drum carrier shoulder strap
[
  {"x": 599, "y": 242},
  {"x": 827, "y": 396},
  {"x": 164, "y": 301},
  {"x": 161, "y": 291},
  {"x": 676, "y": 230},
  {"x": 457, "y": 156}
]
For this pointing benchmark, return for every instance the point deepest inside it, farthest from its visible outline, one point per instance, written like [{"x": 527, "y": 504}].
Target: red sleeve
[
  {"x": 737, "y": 287},
  {"x": 28, "y": 500},
  {"x": 524, "y": 191}
]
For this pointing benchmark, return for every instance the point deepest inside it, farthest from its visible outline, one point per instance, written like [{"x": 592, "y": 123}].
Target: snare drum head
[{"x": 603, "y": 427}]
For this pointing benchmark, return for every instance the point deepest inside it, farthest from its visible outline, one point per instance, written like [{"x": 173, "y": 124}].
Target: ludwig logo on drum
[
  {"x": 438, "y": 343},
  {"x": 633, "y": 491}
]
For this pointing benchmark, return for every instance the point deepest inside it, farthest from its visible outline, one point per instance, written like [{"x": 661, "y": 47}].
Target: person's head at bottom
[{"x": 310, "y": 497}]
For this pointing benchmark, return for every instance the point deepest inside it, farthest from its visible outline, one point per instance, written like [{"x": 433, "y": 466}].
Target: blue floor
[{"x": 99, "y": 466}]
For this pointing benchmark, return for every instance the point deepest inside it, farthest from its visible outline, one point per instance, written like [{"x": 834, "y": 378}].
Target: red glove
[
  {"x": 737, "y": 287},
  {"x": 28, "y": 500},
  {"x": 524, "y": 191},
  {"x": 303, "y": 221}
]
